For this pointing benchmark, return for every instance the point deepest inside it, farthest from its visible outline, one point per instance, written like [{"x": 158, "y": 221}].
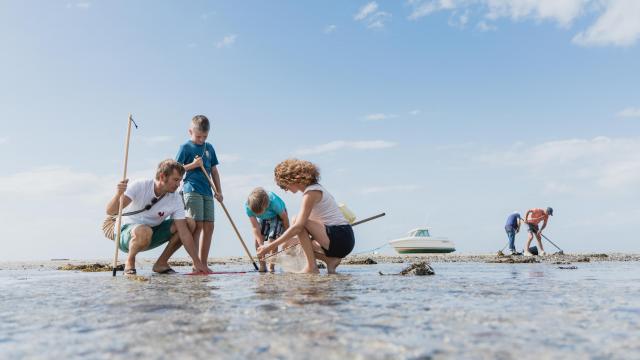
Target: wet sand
[{"x": 363, "y": 259}]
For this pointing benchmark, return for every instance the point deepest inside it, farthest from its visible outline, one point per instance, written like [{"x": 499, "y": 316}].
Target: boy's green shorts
[
  {"x": 199, "y": 207},
  {"x": 161, "y": 235}
]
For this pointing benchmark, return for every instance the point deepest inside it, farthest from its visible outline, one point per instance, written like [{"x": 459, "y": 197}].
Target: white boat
[{"x": 419, "y": 241}]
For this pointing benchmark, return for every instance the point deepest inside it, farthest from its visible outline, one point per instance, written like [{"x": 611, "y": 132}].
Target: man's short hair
[
  {"x": 166, "y": 168},
  {"x": 200, "y": 123}
]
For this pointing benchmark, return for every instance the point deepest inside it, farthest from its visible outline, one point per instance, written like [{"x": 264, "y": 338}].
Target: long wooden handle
[
  {"x": 124, "y": 177},
  {"x": 368, "y": 219},
  {"x": 213, "y": 186}
]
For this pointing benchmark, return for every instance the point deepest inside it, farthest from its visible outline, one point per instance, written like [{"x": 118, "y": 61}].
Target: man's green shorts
[{"x": 161, "y": 235}]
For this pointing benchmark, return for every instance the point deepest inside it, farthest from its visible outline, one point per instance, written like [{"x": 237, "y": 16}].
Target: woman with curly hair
[{"x": 321, "y": 229}]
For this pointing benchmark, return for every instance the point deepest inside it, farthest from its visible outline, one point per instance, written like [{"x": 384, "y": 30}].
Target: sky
[{"x": 449, "y": 114}]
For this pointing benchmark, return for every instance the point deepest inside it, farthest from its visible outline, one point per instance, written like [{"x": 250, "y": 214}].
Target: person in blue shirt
[
  {"x": 269, "y": 219},
  {"x": 198, "y": 195},
  {"x": 512, "y": 227}
]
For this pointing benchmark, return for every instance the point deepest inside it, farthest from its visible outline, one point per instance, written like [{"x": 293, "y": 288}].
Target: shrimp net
[{"x": 291, "y": 259}]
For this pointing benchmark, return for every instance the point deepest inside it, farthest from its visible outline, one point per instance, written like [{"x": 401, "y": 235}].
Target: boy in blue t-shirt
[
  {"x": 269, "y": 219},
  {"x": 198, "y": 196}
]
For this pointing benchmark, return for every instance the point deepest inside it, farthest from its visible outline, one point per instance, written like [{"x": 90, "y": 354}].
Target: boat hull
[
  {"x": 423, "y": 245},
  {"x": 425, "y": 251}
]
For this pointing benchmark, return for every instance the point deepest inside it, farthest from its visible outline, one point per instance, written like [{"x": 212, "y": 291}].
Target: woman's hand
[{"x": 262, "y": 251}]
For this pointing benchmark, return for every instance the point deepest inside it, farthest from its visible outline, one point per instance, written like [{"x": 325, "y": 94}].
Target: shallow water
[{"x": 467, "y": 310}]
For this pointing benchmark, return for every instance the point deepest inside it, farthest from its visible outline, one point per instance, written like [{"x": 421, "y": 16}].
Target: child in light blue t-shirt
[
  {"x": 268, "y": 216},
  {"x": 198, "y": 195}
]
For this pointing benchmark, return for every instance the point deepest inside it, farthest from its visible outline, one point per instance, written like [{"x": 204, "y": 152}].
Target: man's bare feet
[
  {"x": 130, "y": 264},
  {"x": 209, "y": 270}
]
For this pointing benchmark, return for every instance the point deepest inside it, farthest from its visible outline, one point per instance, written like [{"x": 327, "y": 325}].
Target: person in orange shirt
[{"x": 533, "y": 217}]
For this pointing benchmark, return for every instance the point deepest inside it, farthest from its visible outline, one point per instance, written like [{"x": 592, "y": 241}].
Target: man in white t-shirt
[{"x": 156, "y": 216}]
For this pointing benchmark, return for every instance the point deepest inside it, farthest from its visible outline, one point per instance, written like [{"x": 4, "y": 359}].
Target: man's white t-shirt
[{"x": 141, "y": 194}]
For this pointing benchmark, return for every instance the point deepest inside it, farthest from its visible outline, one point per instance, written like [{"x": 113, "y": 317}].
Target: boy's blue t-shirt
[
  {"x": 194, "y": 180},
  {"x": 275, "y": 208}
]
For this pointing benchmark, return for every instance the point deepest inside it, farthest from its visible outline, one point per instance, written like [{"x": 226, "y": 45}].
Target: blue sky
[{"x": 449, "y": 113}]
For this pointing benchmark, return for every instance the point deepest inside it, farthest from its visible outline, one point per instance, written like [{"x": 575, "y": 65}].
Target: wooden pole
[
  {"x": 368, "y": 219},
  {"x": 213, "y": 186},
  {"x": 124, "y": 177}
]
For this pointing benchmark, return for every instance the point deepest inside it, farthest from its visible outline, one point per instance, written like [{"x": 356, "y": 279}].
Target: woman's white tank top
[{"x": 326, "y": 210}]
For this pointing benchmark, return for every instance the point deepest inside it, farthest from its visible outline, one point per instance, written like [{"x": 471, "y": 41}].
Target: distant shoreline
[{"x": 361, "y": 259}]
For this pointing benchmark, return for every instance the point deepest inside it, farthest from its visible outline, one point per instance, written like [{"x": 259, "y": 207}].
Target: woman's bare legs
[
  {"x": 305, "y": 242},
  {"x": 332, "y": 262},
  {"x": 319, "y": 234}
]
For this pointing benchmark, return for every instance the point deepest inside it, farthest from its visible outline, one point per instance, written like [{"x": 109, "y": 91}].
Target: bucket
[
  {"x": 533, "y": 250},
  {"x": 347, "y": 213}
]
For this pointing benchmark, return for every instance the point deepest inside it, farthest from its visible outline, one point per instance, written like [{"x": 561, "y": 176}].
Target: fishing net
[{"x": 290, "y": 260}]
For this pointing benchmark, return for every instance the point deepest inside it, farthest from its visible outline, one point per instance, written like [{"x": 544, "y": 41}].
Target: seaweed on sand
[
  {"x": 513, "y": 260},
  {"x": 367, "y": 261},
  {"x": 420, "y": 268},
  {"x": 97, "y": 267}
]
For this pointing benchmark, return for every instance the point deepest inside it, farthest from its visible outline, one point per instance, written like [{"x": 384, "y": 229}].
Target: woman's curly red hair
[{"x": 296, "y": 171}]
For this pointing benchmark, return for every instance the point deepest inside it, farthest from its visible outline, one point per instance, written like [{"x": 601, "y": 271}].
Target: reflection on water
[
  {"x": 299, "y": 289},
  {"x": 467, "y": 310}
]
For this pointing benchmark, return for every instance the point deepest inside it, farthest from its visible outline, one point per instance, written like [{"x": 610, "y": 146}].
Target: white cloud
[
  {"x": 414, "y": 112},
  {"x": 330, "y": 29},
  {"x": 378, "y": 20},
  {"x": 629, "y": 112},
  {"x": 366, "y": 10},
  {"x": 238, "y": 186},
  {"x": 56, "y": 181},
  {"x": 619, "y": 25},
  {"x": 4, "y": 140},
  {"x": 598, "y": 163},
  {"x": 422, "y": 8},
  {"x": 370, "y": 15},
  {"x": 459, "y": 20},
  {"x": 337, "y": 145},
  {"x": 561, "y": 11},
  {"x": 379, "y": 116},
  {"x": 484, "y": 26},
  {"x": 391, "y": 188},
  {"x": 192, "y": 45},
  {"x": 228, "y": 158},
  {"x": 154, "y": 140},
  {"x": 227, "y": 41}
]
